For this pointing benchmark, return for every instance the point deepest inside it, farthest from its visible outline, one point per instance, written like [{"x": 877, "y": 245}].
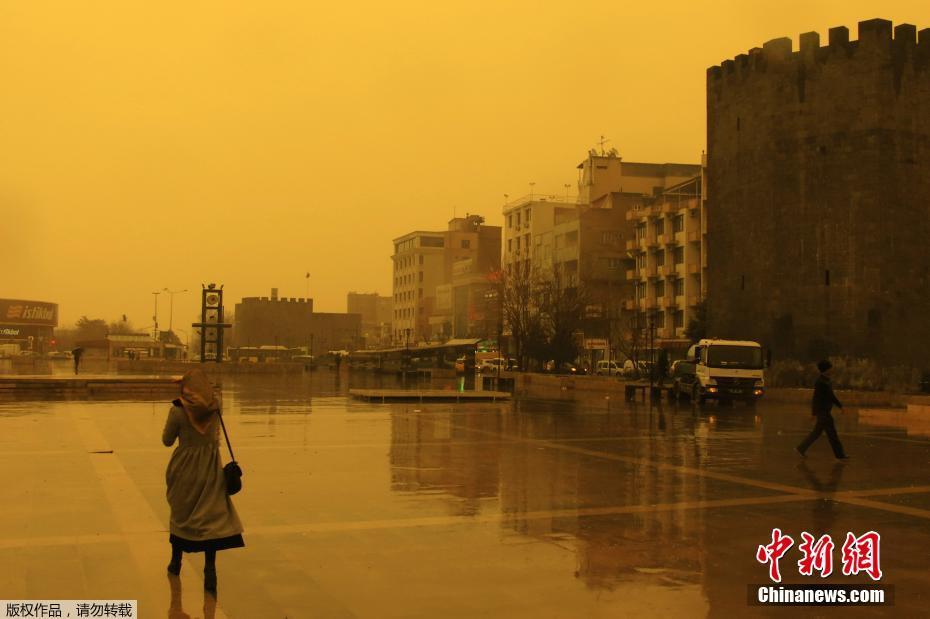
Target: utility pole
[{"x": 155, "y": 319}]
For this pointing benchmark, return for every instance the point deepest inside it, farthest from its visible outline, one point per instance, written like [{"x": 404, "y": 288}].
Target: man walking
[
  {"x": 76, "y": 355},
  {"x": 823, "y": 401}
]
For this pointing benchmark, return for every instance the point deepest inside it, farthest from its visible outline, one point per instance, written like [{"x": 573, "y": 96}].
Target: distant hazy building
[
  {"x": 375, "y": 311},
  {"x": 439, "y": 277},
  {"x": 818, "y": 193},
  {"x": 292, "y": 323}
]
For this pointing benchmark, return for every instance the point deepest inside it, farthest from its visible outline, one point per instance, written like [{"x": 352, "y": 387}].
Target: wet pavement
[{"x": 532, "y": 508}]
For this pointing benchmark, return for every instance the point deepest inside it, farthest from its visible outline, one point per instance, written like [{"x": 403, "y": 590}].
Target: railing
[{"x": 539, "y": 197}]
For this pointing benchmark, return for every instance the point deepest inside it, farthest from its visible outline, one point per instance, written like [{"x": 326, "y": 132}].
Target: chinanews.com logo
[{"x": 859, "y": 554}]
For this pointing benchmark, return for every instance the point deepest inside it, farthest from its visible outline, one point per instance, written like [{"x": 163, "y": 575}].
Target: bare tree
[
  {"x": 521, "y": 311},
  {"x": 563, "y": 304}
]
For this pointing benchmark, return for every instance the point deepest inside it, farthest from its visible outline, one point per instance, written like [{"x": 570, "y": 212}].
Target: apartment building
[
  {"x": 669, "y": 261},
  {"x": 586, "y": 239}
]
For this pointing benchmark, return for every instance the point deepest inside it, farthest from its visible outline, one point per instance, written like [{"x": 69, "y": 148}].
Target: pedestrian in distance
[
  {"x": 203, "y": 518},
  {"x": 76, "y": 355},
  {"x": 822, "y": 403}
]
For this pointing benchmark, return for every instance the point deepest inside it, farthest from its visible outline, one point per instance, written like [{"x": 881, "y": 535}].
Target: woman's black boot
[{"x": 175, "y": 566}]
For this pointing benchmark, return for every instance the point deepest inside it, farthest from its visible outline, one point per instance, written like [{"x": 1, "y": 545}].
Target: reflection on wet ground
[{"x": 536, "y": 508}]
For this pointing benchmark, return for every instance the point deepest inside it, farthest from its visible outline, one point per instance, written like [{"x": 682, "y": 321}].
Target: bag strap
[{"x": 228, "y": 445}]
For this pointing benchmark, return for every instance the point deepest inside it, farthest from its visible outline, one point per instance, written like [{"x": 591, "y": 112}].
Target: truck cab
[{"x": 727, "y": 370}]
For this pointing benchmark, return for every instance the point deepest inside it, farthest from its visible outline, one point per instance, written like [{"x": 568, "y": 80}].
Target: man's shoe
[{"x": 799, "y": 452}]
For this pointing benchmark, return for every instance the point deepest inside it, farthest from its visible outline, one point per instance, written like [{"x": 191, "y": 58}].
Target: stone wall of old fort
[{"x": 818, "y": 214}]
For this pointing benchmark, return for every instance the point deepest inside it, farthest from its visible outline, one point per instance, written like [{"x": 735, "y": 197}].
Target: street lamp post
[
  {"x": 155, "y": 318},
  {"x": 171, "y": 305}
]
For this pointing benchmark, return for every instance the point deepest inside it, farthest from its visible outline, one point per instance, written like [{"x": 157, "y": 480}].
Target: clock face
[
  {"x": 213, "y": 299},
  {"x": 209, "y": 334},
  {"x": 213, "y": 315}
]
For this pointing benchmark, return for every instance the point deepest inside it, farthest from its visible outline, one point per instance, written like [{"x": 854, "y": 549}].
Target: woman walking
[{"x": 203, "y": 518}]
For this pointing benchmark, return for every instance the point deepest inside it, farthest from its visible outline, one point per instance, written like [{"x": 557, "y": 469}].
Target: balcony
[
  {"x": 694, "y": 269},
  {"x": 668, "y": 270},
  {"x": 631, "y": 274},
  {"x": 652, "y": 273},
  {"x": 693, "y": 300},
  {"x": 668, "y": 302},
  {"x": 694, "y": 236},
  {"x": 649, "y": 303}
]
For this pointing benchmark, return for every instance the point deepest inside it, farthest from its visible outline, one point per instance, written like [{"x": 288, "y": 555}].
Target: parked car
[
  {"x": 491, "y": 365},
  {"x": 608, "y": 368},
  {"x": 637, "y": 370},
  {"x": 683, "y": 377},
  {"x": 564, "y": 368}
]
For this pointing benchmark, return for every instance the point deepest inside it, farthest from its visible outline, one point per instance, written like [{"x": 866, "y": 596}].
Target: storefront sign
[{"x": 18, "y": 312}]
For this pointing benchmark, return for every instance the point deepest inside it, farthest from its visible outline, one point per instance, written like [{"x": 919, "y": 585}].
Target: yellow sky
[{"x": 166, "y": 144}]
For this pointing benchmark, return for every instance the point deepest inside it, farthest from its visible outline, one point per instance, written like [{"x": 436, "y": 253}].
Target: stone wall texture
[{"x": 818, "y": 213}]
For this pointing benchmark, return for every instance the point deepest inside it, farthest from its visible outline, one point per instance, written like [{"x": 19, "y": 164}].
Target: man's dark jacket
[{"x": 824, "y": 399}]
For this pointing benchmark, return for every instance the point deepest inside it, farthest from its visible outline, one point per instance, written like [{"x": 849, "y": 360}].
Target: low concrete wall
[
  {"x": 162, "y": 368},
  {"x": 530, "y": 384}
]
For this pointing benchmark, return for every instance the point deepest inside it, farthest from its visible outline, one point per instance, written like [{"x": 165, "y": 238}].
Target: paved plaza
[{"x": 547, "y": 507}]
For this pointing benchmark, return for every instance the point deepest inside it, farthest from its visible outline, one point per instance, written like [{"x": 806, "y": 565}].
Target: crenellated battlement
[{"x": 902, "y": 45}]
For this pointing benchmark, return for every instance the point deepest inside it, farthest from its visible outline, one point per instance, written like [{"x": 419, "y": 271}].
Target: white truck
[{"x": 723, "y": 370}]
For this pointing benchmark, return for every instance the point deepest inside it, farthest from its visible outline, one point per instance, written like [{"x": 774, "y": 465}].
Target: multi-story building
[
  {"x": 668, "y": 271},
  {"x": 438, "y": 274},
  {"x": 584, "y": 240}
]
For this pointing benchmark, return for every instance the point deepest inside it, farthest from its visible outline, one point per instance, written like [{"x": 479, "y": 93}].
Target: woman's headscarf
[{"x": 198, "y": 399}]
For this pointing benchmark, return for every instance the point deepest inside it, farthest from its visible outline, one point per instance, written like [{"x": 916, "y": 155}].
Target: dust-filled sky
[{"x": 146, "y": 145}]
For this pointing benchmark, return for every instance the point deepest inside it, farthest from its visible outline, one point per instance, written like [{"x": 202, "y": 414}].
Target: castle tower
[{"x": 818, "y": 213}]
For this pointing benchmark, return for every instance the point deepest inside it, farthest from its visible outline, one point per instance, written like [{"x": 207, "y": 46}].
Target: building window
[
  {"x": 518, "y": 245},
  {"x": 466, "y": 243},
  {"x": 509, "y": 245},
  {"x": 421, "y": 276},
  {"x": 510, "y": 221},
  {"x": 678, "y": 224},
  {"x": 660, "y": 320},
  {"x": 679, "y": 255},
  {"x": 518, "y": 219},
  {"x": 660, "y": 288},
  {"x": 641, "y": 261},
  {"x": 640, "y": 231},
  {"x": 641, "y": 290},
  {"x": 614, "y": 264},
  {"x": 432, "y": 241},
  {"x": 528, "y": 211},
  {"x": 660, "y": 226},
  {"x": 679, "y": 287},
  {"x": 420, "y": 293},
  {"x": 421, "y": 258},
  {"x": 660, "y": 258},
  {"x": 679, "y": 319}
]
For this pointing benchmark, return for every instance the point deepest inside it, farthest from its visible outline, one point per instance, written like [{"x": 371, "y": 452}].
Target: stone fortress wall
[{"x": 818, "y": 213}]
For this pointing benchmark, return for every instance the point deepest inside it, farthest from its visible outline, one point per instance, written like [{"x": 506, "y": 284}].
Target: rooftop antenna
[{"x": 603, "y": 142}]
